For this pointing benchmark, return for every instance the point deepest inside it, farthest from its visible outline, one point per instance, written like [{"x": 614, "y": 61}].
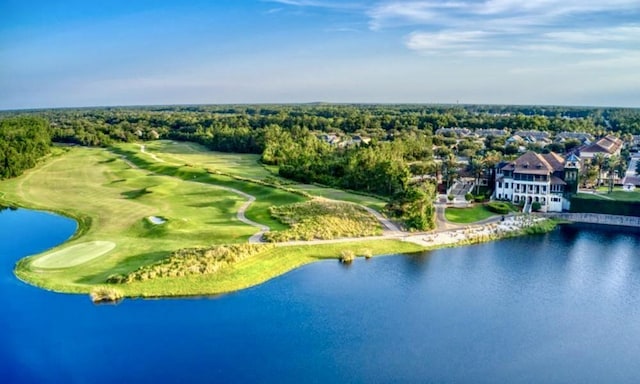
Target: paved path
[
  {"x": 153, "y": 156},
  {"x": 388, "y": 224},
  {"x": 630, "y": 176}
]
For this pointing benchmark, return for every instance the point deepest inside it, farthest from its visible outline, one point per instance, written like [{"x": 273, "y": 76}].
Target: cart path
[
  {"x": 241, "y": 214},
  {"x": 392, "y": 231}
]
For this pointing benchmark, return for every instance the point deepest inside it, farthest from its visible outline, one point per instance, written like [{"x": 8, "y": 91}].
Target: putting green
[{"x": 74, "y": 255}]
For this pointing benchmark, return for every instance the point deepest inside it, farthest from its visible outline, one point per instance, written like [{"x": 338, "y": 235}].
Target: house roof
[
  {"x": 555, "y": 161},
  {"x": 608, "y": 144},
  {"x": 557, "y": 181},
  {"x": 536, "y": 164},
  {"x": 572, "y": 158}
]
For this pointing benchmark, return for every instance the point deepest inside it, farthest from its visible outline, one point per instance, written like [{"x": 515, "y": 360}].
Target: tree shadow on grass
[
  {"x": 226, "y": 207},
  {"x": 125, "y": 266},
  {"x": 134, "y": 194}
]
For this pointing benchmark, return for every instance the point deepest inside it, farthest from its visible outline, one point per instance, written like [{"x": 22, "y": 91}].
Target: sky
[{"x": 76, "y": 53}]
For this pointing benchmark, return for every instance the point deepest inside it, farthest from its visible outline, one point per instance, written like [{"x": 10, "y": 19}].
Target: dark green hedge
[
  {"x": 609, "y": 207},
  {"x": 499, "y": 207}
]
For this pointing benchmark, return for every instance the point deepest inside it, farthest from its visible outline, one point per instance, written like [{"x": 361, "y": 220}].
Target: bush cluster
[
  {"x": 105, "y": 294},
  {"x": 499, "y": 207},
  {"x": 192, "y": 261},
  {"x": 607, "y": 207}
]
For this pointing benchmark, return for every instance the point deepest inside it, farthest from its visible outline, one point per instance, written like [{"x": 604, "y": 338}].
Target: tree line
[
  {"x": 241, "y": 128},
  {"x": 23, "y": 141}
]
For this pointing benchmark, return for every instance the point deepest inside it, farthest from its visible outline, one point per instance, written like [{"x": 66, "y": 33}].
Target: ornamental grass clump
[
  {"x": 105, "y": 295},
  {"x": 367, "y": 253},
  {"x": 347, "y": 256}
]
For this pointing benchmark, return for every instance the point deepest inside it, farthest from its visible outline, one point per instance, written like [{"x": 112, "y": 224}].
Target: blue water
[{"x": 558, "y": 308}]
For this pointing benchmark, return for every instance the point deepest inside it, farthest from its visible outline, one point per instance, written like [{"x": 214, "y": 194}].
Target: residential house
[
  {"x": 459, "y": 132},
  {"x": 329, "y": 138},
  {"x": 583, "y": 137},
  {"x": 548, "y": 179},
  {"x": 491, "y": 132},
  {"x": 356, "y": 140},
  {"x": 607, "y": 146},
  {"x": 538, "y": 135}
]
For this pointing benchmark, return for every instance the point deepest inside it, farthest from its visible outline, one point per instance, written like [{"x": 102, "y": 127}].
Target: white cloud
[
  {"x": 454, "y": 25},
  {"x": 319, "y": 4},
  {"x": 445, "y": 40},
  {"x": 625, "y": 33}
]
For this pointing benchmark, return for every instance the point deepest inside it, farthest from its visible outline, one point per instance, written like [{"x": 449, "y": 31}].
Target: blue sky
[{"x": 90, "y": 53}]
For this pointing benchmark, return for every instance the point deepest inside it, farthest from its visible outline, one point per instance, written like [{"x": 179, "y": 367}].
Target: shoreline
[
  {"x": 289, "y": 256},
  {"x": 256, "y": 269}
]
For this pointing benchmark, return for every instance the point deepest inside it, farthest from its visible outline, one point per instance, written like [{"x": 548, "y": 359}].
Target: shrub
[
  {"x": 610, "y": 207},
  {"x": 347, "y": 256},
  {"x": 499, "y": 207},
  {"x": 450, "y": 197},
  {"x": 367, "y": 253},
  {"x": 105, "y": 294},
  {"x": 468, "y": 197},
  {"x": 536, "y": 206},
  {"x": 192, "y": 261},
  {"x": 478, "y": 199}
]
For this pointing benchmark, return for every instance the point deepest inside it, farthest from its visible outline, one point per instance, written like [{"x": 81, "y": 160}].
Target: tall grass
[
  {"x": 105, "y": 294},
  {"x": 192, "y": 261},
  {"x": 319, "y": 219}
]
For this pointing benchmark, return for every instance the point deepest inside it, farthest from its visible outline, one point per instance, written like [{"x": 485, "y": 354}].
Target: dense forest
[
  {"x": 377, "y": 149},
  {"x": 23, "y": 141},
  {"x": 240, "y": 128}
]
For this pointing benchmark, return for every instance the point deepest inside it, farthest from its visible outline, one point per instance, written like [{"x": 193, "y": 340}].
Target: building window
[
  {"x": 499, "y": 195},
  {"x": 499, "y": 184}
]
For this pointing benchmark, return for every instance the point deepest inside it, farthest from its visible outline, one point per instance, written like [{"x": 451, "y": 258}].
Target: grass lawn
[
  {"x": 617, "y": 194},
  {"x": 337, "y": 194},
  {"x": 243, "y": 165},
  {"x": 260, "y": 268},
  {"x": 74, "y": 255},
  {"x": 468, "y": 215},
  {"x": 113, "y": 202},
  {"x": 265, "y": 196},
  {"x": 240, "y": 164}
]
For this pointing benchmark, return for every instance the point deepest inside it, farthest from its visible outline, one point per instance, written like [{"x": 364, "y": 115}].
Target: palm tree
[
  {"x": 612, "y": 165},
  {"x": 477, "y": 167},
  {"x": 599, "y": 162}
]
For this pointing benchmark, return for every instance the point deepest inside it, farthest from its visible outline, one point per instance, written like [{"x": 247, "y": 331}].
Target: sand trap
[
  {"x": 74, "y": 255},
  {"x": 156, "y": 220}
]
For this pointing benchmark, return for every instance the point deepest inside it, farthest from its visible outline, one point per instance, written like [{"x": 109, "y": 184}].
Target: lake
[{"x": 557, "y": 308}]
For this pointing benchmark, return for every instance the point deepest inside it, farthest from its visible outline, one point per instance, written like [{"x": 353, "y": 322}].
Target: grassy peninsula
[
  {"x": 173, "y": 219},
  {"x": 114, "y": 195}
]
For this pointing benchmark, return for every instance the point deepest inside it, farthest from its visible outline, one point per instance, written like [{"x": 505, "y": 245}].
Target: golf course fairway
[{"x": 112, "y": 193}]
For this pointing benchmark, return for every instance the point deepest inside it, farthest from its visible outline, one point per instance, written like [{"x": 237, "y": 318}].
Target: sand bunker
[{"x": 157, "y": 220}]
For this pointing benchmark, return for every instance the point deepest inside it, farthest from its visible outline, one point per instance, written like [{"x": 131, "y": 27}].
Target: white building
[{"x": 547, "y": 179}]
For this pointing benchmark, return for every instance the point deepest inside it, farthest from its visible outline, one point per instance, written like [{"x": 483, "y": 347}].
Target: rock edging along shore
[{"x": 598, "y": 218}]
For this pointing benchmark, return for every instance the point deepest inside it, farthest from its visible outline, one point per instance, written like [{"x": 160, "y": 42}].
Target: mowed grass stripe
[{"x": 74, "y": 255}]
